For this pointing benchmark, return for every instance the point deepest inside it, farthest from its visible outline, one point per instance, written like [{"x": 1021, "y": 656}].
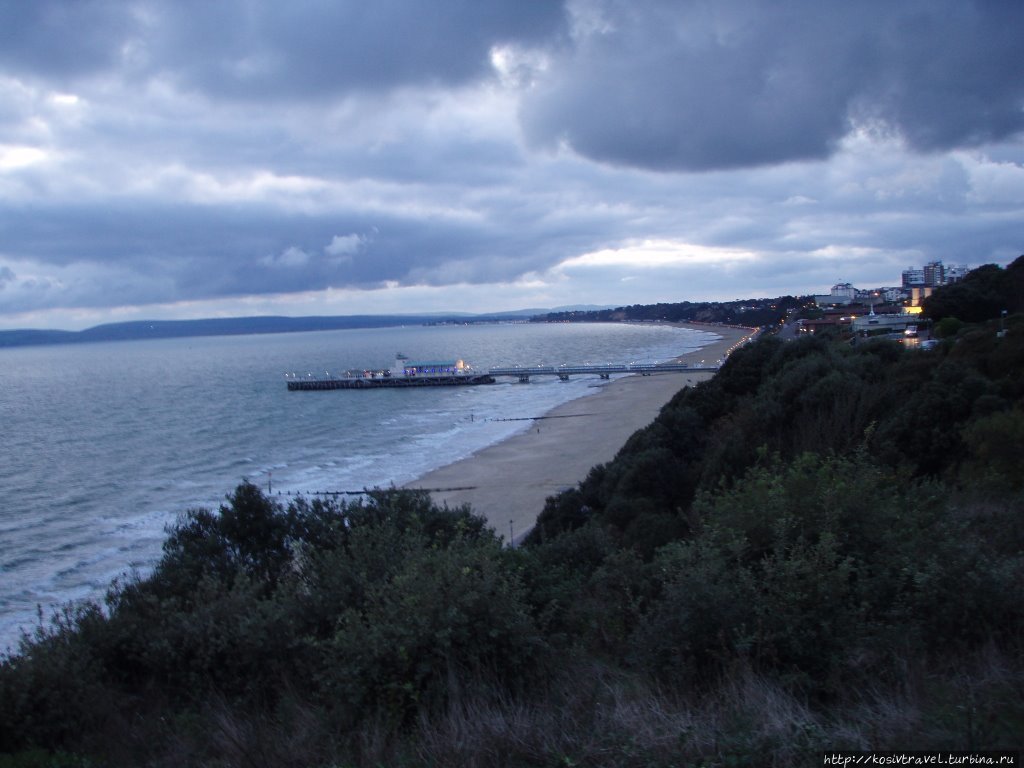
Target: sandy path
[{"x": 508, "y": 482}]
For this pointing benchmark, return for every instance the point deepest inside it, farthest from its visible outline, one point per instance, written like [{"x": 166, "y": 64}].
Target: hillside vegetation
[
  {"x": 746, "y": 312},
  {"x": 820, "y": 548}
]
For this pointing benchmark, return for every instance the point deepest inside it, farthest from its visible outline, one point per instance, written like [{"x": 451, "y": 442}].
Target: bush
[
  {"x": 996, "y": 448},
  {"x": 444, "y": 618},
  {"x": 824, "y": 571},
  {"x": 947, "y": 327},
  {"x": 370, "y": 609}
]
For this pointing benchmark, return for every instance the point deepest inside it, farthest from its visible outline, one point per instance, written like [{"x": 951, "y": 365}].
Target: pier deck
[
  {"x": 390, "y": 382},
  {"x": 523, "y": 373},
  {"x": 520, "y": 372}
]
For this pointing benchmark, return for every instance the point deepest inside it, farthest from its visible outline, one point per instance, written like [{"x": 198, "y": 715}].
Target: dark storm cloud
[
  {"x": 267, "y": 50},
  {"x": 300, "y": 48},
  {"x": 669, "y": 85},
  {"x": 59, "y": 39}
]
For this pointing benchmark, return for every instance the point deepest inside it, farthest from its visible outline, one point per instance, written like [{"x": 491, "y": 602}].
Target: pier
[
  {"x": 381, "y": 379},
  {"x": 385, "y": 382},
  {"x": 523, "y": 373}
]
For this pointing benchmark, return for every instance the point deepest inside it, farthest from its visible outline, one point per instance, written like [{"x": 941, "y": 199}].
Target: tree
[{"x": 982, "y": 295}]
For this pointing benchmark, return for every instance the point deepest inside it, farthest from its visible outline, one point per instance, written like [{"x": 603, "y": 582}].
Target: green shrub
[
  {"x": 947, "y": 328},
  {"x": 995, "y": 445},
  {"x": 444, "y": 617},
  {"x": 51, "y": 692},
  {"x": 824, "y": 571}
]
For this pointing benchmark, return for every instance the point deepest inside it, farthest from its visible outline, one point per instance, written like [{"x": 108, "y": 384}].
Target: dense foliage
[
  {"x": 819, "y": 548},
  {"x": 365, "y": 610},
  {"x": 751, "y": 313},
  {"x": 984, "y": 293}
]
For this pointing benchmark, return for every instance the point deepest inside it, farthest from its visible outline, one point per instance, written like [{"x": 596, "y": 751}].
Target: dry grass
[{"x": 594, "y": 715}]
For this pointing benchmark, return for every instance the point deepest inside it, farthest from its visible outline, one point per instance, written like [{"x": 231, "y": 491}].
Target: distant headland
[{"x": 238, "y": 326}]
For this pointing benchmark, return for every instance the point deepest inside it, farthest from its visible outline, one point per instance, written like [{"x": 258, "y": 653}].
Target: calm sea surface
[{"x": 103, "y": 445}]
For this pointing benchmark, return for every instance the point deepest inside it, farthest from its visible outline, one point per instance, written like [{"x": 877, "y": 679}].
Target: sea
[{"x": 104, "y": 445}]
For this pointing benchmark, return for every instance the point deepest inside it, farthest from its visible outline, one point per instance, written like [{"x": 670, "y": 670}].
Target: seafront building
[
  {"x": 932, "y": 275},
  {"x": 840, "y": 295},
  {"x": 887, "y": 310}
]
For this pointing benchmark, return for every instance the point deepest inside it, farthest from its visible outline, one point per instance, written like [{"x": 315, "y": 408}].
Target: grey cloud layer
[
  {"x": 668, "y": 85},
  {"x": 235, "y": 148},
  {"x": 304, "y": 48},
  {"x": 659, "y": 84}
]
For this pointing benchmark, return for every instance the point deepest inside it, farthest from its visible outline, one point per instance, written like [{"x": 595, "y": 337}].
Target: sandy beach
[{"x": 508, "y": 482}]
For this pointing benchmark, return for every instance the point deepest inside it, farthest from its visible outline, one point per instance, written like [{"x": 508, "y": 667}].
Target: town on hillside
[
  {"x": 895, "y": 312},
  {"x": 892, "y": 312}
]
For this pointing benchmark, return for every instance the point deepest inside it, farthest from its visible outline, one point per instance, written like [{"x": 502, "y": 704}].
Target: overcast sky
[{"x": 192, "y": 158}]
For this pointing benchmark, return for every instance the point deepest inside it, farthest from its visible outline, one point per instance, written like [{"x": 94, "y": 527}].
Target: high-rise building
[
  {"x": 934, "y": 274},
  {"x": 913, "y": 278},
  {"x": 956, "y": 273}
]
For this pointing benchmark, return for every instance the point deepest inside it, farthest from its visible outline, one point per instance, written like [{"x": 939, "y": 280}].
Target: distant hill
[
  {"x": 747, "y": 312},
  {"x": 235, "y": 326},
  {"x": 27, "y": 338}
]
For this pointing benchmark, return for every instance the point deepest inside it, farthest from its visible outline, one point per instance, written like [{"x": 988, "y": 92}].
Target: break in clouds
[{"x": 157, "y": 152}]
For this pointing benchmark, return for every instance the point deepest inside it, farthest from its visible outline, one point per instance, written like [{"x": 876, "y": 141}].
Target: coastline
[{"x": 508, "y": 482}]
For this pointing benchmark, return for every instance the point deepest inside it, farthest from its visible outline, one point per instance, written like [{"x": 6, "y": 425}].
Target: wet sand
[{"x": 508, "y": 482}]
